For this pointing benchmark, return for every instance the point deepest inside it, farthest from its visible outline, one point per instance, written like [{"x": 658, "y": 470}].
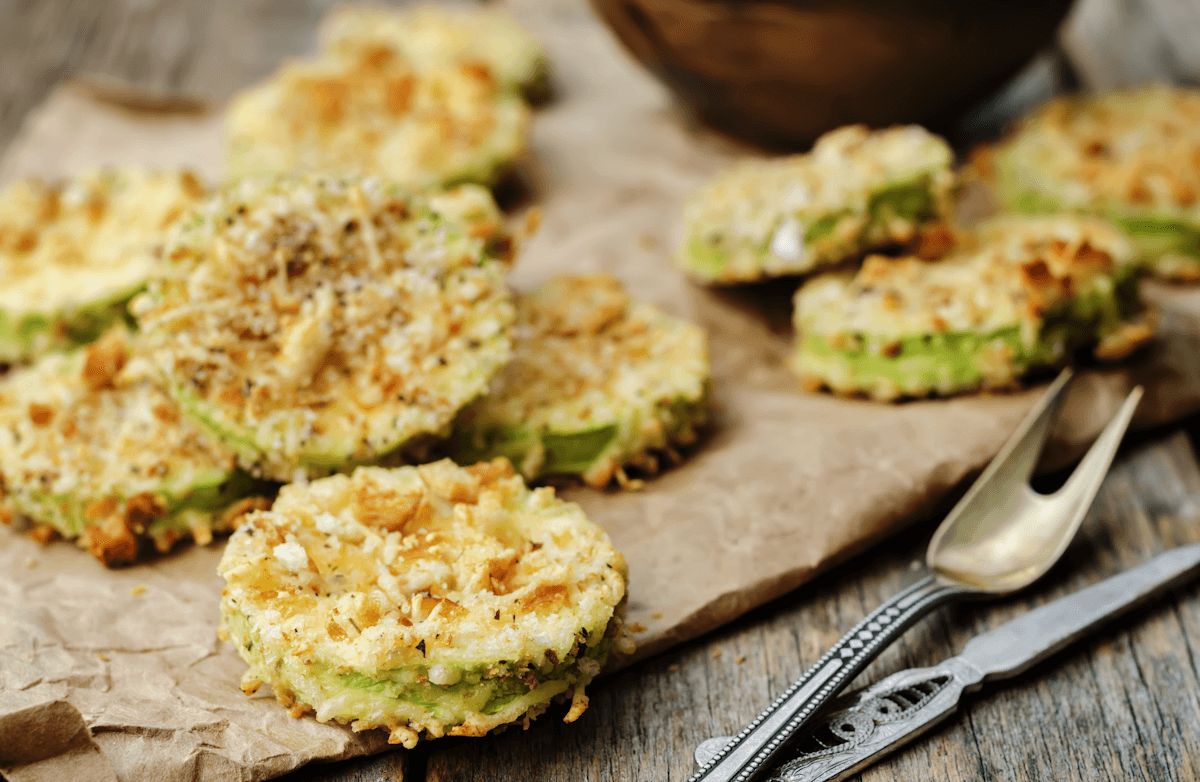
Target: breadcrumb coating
[
  {"x": 857, "y": 190},
  {"x": 1015, "y": 295},
  {"x": 313, "y": 323},
  {"x": 90, "y": 447},
  {"x": 377, "y": 115},
  {"x": 432, "y": 37},
  {"x": 598, "y": 382},
  {"x": 435, "y": 599},
  {"x": 1132, "y": 156},
  {"x": 102, "y": 231}
]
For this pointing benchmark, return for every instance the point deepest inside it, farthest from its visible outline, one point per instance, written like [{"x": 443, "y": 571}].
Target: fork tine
[
  {"x": 1019, "y": 456},
  {"x": 1013, "y": 465},
  {"x": 1081, "y": 487}
]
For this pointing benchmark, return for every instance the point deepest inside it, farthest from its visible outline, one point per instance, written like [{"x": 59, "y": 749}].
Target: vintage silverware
[
  {"x": 860, "y": 729},
  {"x": 1000, "y": 537}
]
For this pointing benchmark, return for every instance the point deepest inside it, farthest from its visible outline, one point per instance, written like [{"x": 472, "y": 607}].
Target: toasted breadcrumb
[
  {"x": 598, "y": 382},
  {"x": 767, "y": 218},
  {"x": 374, "y": 113},
  {"x": 102, "y": 231},
  {"x": 1131, "y": 156},
  {"x": 432, "y": 37},
  {"x": 155, "y": 479},
  {"x": 350, "y": 604},
  {"x": 1015, "y": 295},
  {"x": 313, "y": 323}
]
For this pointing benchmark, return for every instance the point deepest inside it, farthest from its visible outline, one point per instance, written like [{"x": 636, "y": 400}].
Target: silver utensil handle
[
  {"x": 752, "y": 749},
  {"x": 878, "y": 721}
]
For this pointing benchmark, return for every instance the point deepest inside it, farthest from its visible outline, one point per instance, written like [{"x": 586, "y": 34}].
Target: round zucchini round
[
  {"x": 1016, "y": 296},
  {"x": 434, "y": 600},
  {"x": 377, "y": 117},
  {"x": 1131, "y": 156},
  {"x": 102, "y": 231},
  {"x": 598, "y": 382},
  {"x": 430, "y": 37},
  {"x": 856, "y": 191},
  {"x": 316, "y": 323},
  {"x": 91, "y": 448}
]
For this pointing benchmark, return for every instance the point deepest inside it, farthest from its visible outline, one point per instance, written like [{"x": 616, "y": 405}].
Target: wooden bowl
[{"x": 784, "y": 71}]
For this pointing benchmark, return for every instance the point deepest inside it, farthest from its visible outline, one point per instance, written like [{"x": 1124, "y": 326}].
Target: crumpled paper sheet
[{"x": 100, "y": 682}]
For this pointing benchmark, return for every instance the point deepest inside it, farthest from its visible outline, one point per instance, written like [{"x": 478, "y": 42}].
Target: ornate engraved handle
[
  {"x": 750, "y": 751},
  {"x": 878, "y": 721}
]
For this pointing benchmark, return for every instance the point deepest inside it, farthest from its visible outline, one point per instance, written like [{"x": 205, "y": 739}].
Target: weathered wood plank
[
  {"x": 389, "y": 767},
  {"x": 209, "y": 48}
]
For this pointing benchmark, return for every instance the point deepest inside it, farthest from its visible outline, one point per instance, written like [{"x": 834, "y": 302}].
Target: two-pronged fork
[{"x": 1001, "y": 537}]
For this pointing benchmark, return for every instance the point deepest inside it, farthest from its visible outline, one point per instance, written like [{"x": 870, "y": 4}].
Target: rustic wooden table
[{"x": 1124, "y": 706}]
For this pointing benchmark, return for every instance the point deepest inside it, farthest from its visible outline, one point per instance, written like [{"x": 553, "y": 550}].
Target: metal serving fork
[{"x": 999, "y": 538}]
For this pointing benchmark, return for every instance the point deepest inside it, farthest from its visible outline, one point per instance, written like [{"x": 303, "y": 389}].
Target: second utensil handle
[
  {"x": 883, "y": 719},
  {"x": 752, "y": 749}
]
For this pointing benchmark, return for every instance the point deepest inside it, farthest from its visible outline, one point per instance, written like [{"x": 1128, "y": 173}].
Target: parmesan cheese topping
[
  {"x": 432, "y": 37},
  {"x": 1011, "y": 273},
  {"x": 101, "y": 231},
  {"x": 436, "y": 566},
  {"x": 376, "y": 114},
  {"x": 315, "y": 322},
  {"x": 1126, "y": 150}
]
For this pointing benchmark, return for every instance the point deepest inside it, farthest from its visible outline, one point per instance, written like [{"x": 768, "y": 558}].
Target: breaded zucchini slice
[
  {"x": 597, "y": 382},
  {"x": 377, "y": 115},
  {"x": 433, "y": 600},
  {"x": 856, "y": 191},
  {"x": 91, "y": 448},
  {"x": 1021, "y": 294},
  {"x": 432, "y": 37},
  {"x": 316, "y": 323},
  {"x": 1132, "y": 157},
  {"x": 73, "y": 253}
]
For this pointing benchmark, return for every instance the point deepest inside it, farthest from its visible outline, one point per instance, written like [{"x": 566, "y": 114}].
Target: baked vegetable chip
[
  {"x": 856, "y": 191},
  {"x": 432, "y": 37},
  {"x": 1022, "y": 294},
  {"x": 598, "y": 382},
  {"x": 378, "y": 115},
  {"x": 316, "y": 323},
  {"x": 91, "y": 448},
  {"x": 434, "y": 600},
  {"x": 1132, "y": 157},
  {"x": 101, "y": 232}
]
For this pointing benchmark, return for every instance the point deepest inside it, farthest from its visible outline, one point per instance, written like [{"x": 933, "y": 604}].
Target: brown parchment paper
[{"x": 118, "y": 675}]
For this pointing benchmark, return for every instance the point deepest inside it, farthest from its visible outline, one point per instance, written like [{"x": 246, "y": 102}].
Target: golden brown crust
[
  {"x": 371, "y": 111},
  {"x": 53, "y": 414},
  {"x": 1139, "y": 147},
  {"x": 487, "y": 578},
  {"x": 430, "y": 37},
  {"x": 791, "y": 215},
  {"x": 315, "y": 322},
  {"x": 101, "y": 230},
  {"x": 1009, "y": 273},
  {"x": 588, "y": 358},
  {"x": 111, "y": 540},
  {"x": 103, "y": 359}
]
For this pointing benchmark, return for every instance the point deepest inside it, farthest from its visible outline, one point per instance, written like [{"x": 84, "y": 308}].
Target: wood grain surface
[{"x": 1122, "y": 706}]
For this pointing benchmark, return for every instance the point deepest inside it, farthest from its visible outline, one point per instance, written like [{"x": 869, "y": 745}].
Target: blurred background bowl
[{"x": 782, "y": 72}]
